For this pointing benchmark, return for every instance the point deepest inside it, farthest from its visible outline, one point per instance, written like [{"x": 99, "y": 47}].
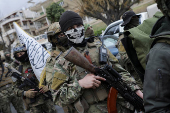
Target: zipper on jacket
[{"x": 159, "y": 80}]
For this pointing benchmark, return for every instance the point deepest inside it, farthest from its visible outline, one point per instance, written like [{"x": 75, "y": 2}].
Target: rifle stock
[
  {"x": 76, "y": 58},
  {"x": 113, "y": 78},
  {"x": 111, "y": 100}
]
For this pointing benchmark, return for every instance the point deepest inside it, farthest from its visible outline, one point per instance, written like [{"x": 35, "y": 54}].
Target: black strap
[{"x": 131, "y": 52}]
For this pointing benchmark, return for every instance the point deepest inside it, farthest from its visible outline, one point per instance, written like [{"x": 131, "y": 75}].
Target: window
[
  {"x": 113, "y": 30},
  {"x": 43, "y": 36},
  {"x": 31, "y": 23},
  {"x": 25, "y": 23}
]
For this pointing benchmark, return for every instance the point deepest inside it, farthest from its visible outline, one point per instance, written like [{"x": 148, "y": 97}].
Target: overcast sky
[{"x": 9, "y": 6}]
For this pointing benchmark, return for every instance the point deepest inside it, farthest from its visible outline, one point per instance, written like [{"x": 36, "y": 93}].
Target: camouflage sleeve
[
  {"x": 16, "y": 83},
  {"x": 65, "y": 83},
  {"x": 123, "y": 53},
  {"x": 15, "y": 88},
  {"x": 127, "y": 78},
  {"x": 49, "y": 70}
]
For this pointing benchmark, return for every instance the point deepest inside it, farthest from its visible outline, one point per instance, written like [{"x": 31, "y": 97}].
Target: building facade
[
  {"x": 41, "y": 21},
  {"x": 23, "y": 18}
]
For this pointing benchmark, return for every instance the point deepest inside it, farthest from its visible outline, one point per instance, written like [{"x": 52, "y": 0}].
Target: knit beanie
[{"x": 68, "y": 19}]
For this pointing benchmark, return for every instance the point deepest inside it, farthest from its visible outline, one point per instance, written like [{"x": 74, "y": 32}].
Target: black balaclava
[
  {"x": 8, "y": 57},
  {"x": 134, "y": 22},
  {"x": 23, "y": 58},
  {"x": 75, "y": 36}
]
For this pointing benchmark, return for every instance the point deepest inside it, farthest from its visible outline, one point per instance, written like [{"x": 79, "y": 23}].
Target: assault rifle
[
  {"x": 113, "y": 78},
  {"x": 26, "y": 82}
]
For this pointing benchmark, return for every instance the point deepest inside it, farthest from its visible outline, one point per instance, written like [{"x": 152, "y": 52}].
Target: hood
[{"x": 161, "y": 28}]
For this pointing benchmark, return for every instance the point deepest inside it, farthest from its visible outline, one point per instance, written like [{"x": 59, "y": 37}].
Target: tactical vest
[
  {"x": 50, "y": 64},
  {"x": 90, "y": 96},
  {"x": 137, "y": 43},
  {"x": 39, "y": 97}
]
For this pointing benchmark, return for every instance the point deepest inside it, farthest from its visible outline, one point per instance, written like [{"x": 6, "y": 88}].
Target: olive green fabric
[
  {"x": 40, "y": 100},
  {"x": 72, "y": 97},
  {"x": 156, "y": 80},
  {"x": 140, "y": 38}
]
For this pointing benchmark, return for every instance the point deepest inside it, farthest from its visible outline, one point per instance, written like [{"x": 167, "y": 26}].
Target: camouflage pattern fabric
[
  {"x": 4, "y": 104},
  {"x": 49, "y": 66},
  {"x": 55, "y": 27},
  {"x": 8, "y": 97},
  {"x": 52, "y": 30},
  {"x": 40, "y": 102},
  {"x": 72, "y": 96},
  {"x": 47, "y": 107}
]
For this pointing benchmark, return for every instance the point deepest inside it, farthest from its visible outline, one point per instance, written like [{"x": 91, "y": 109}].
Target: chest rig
[{"x": 96, "y": 56}]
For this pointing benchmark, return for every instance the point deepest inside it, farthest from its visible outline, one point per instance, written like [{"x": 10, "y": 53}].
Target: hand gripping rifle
[
  {"x": 26, "y": 82},
  {"x": 113, "y": 78}
]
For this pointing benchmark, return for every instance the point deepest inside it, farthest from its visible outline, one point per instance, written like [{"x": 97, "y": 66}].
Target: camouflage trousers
[
  {"x": 47, "y": 107},
  {"x": 123, "y": 106},
  {"x": 122, "y": 109},
  {"x": 7, "y": 96}
]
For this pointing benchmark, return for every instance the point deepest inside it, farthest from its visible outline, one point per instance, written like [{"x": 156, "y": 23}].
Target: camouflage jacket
[
  {"x": 50, "y": 64},
  {"x": 9, "y": 60},
  {"x": 19, "y": 92},
  {"x": 69, "y": 93},
  {"x": 5, "y": 80}
]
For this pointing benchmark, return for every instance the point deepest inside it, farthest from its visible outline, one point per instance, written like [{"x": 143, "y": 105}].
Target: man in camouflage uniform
[
  {"x": 41, "y": 103},
  {"x": 130, "y": 20},
  {"x": 58, "y": 40},
  {"x": 59, "y": 44},
  {"x": 79, "y": 90},
  {"x": 157, "y": 78},
  {"x": 7, "y": 94},
  {"x": 8, "y": 58}
]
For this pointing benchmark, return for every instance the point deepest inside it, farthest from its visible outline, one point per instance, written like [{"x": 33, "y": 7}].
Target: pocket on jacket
[{"x": 162, "y": 84}]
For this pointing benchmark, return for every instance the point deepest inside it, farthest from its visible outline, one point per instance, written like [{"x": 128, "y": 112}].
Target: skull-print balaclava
[
  {"x": 69, "y": 19},
  {"x": 75, "y": 35}
]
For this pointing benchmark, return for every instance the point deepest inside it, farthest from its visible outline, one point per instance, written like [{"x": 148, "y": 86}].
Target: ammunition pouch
[
  {"x": 81, "y": 105},
  {"x": 93, "y": 96}
]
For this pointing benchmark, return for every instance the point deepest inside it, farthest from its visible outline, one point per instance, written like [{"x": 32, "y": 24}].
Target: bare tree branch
[{"x": 105, "y": 10}]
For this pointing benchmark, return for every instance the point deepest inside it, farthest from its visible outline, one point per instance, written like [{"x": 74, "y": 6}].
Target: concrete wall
[{"x": 29, "y": 14}]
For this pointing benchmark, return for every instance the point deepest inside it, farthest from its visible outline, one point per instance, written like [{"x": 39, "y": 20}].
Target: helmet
[
  {"x": 7, "y": 57},
  {"x": 6, "y": 52},
  {"x": 164, "y": 6},
  {"x": 52, "y": 30}
]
